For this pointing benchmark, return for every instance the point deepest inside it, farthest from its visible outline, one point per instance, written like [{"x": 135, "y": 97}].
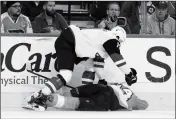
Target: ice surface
[{"x": 53, "y": 113}]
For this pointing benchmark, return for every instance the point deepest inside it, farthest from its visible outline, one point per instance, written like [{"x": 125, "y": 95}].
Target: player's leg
[
  {"x": 99, "y": 63},
  {"x": 96, "y": 101},
  {"x": 65, "y": 54},
  {"x": 88, "y": 75},
  {"x": 88, "y": 90},
  {"x": 71, "y": 103},
  {"x": 62, "y": 102},
  {"x": 96, "y": 97},
  {"x": 94, "y": 66}
]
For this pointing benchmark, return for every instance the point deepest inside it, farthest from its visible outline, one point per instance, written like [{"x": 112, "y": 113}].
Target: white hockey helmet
[{"x": 120, "y": 33}]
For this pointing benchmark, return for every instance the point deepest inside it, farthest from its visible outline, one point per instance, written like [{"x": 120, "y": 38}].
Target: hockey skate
[{"x": 36, "y": 101}]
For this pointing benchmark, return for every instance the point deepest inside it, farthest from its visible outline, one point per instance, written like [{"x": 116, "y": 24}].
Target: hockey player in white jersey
[{"x": 74, "y": 45}]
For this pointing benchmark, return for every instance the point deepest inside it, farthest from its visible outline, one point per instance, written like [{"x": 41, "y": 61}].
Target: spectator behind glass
[
  {"x": 109, "y": 22},
  {"x": 32, "y": 9},
  {"x": 160, "y": 21},
  {"x": 3, "y": 6},
  {"x": 49, "y": 21},
  {"x": 171, "y": 8},
  {"x": 131, "y": 10},
  {"x": 13, "y": 21}
]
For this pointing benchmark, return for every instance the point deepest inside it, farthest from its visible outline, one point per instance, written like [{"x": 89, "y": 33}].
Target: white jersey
[
  {"x": 88, "y": 42},
  {"x": 22, "y": 24},
  {"x": 123, "y": 94}
]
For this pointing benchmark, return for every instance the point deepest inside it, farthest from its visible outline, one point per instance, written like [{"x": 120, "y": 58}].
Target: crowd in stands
[
  {"x": 42, "y": 17},
  {"x": 112, "y": 19},
  {"x": 160, "y": 22}
]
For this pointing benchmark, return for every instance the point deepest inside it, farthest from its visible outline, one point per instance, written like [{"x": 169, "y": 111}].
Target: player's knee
[
  {"x": 55, "y": 83},
  {"x": 98, "y": 61},
  {"x": 56, "y": 100},
  {"x": 52, "y": 100},
  {"x": 65, "y": 75}
]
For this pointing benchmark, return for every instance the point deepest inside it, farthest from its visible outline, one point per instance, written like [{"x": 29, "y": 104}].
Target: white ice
[{"x": 20, "y": 113}]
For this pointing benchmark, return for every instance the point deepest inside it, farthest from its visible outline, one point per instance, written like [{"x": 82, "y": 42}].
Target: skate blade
[{"x": 34, "y": 107}]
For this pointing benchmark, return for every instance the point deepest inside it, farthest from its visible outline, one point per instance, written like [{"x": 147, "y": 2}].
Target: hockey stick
[
  {"x": 47, "y": 78},
  {"x": 118, "y": 83}
]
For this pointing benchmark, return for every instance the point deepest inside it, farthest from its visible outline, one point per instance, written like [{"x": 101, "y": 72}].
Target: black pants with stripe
[{"x": 65, "y": 50}]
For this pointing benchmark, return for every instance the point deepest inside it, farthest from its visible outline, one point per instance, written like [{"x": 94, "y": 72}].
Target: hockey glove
[
  {"x": 102, "y": 82},
  {"x": 131, "y": 77}
]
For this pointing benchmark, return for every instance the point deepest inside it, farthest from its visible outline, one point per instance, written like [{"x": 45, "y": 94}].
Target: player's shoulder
[{"x": 4, "y": 15}]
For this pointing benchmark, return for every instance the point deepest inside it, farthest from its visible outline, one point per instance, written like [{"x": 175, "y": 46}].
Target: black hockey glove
[
  {"x": 131, "y": 77},
  {"x": 102, "y": 82}
]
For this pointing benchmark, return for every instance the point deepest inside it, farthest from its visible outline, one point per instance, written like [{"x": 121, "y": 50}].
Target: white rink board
[{"x": 134, "y": 51}]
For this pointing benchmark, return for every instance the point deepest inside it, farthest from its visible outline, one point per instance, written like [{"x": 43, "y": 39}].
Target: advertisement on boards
[{"x": 153, "y": 58}]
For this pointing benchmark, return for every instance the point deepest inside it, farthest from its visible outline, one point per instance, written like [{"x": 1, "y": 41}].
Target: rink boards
[{"x": 153, "y": 58}]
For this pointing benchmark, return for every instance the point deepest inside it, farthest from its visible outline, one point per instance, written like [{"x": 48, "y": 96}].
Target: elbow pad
[{"x": 111, "y": 46}]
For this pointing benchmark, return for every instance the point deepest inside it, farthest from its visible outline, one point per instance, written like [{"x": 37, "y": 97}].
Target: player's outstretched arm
[{"x": 114, "y": 52}]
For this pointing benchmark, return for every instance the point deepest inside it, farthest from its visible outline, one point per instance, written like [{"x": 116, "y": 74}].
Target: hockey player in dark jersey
[
  {"x": 74, "y": 45},
  {"x": 98, "y": 97}
]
